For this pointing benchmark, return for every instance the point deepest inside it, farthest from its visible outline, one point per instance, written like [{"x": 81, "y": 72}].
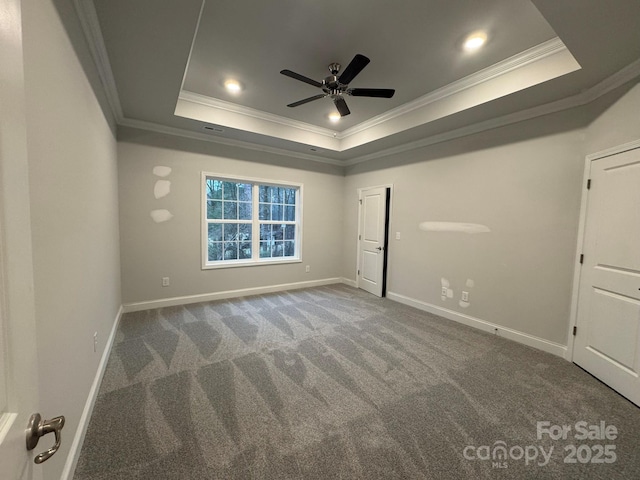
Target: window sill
[{"x": 249, "y": 263}]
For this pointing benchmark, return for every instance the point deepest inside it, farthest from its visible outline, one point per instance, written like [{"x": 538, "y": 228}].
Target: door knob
[
  {"x": 379, "y": 248},
  {"x": 37, "y": 428}
]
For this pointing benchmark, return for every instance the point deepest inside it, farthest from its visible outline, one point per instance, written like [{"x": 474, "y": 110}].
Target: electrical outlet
[
  {"x": 397, "y": 235},
  {"x": 165, "y": 281},
  {"x": 307, "y": 269},
  {"x": 95, "y": 342},
  {"x": 444, "y": 291},
  {"x": 465, "y": 296}
]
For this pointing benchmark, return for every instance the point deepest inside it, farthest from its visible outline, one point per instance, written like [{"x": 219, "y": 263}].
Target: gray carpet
[{"x": 332, "y": 382}]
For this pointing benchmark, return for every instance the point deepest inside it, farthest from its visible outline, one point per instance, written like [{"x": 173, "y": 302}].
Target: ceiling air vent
[{"x": 211, "y": 128}]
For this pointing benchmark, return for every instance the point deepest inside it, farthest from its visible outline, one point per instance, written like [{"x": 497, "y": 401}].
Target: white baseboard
[
  {"x": 520, "y": 337},
  {"x": 81, "y": 431},
  {"x": 351, "y": 283},
  {"x": 208, "y": 297}
]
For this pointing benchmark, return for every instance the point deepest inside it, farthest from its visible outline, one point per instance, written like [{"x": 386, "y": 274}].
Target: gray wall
[
  {"x": 172, "y": 249},
  {"x": 527, "y": 192},
  {"x": 74, "y": 220},
  {"x": 618, "y": 125}
]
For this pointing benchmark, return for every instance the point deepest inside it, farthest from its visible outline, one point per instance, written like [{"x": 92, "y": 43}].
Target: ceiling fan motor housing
[{"x": 332, "y": 85}]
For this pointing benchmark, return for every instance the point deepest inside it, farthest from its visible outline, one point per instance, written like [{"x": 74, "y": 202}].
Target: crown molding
[
  {"x": 607, "y": 85},
  {"x": 540, "y": 63},
  {"x": 180, "y": 132},
  {"x": 86, "y": 11},
  {"x": 534, "y": 54},
  {"x": 254, "y": 113}
]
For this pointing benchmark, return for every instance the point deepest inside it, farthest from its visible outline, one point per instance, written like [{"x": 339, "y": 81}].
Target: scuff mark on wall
[
  {"x": 162, "y": 188},
  {"x": 161, "y": 171},
  {"x": 468, "y": 228},
  {"x": 160, "y": 216}
]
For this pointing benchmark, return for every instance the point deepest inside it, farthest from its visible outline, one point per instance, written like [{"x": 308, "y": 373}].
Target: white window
[{"x": 249, "y": 221}]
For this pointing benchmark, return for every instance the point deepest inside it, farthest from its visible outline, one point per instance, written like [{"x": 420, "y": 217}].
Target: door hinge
[
  {"x": 581, "y": 258},
  {"x": 360, "y": 201},
  {"x": 575, "y": 330},
  {"x": 359, "y": 237},
  {"x": 589, "y": 184},
  {"x": 358, "y": 272}
]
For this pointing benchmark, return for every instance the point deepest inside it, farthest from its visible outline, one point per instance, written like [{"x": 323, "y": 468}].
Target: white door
[
  {"x": 18, "y": 358},
  {"x": 607, "y": 342},
  {"x": 373, "y": 212}
]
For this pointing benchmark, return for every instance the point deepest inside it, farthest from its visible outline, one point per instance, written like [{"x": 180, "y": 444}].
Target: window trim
[{"x": 255, "y": 239}]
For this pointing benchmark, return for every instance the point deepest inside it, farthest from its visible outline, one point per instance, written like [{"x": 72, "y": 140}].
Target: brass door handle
[{"x": 38, "y": 428}]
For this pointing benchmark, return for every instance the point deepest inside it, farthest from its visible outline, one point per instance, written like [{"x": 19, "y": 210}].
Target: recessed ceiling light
[
  {"x": 474, "y": 41},
  {"x": 232, "y": 86},
  {"x": 334, "y": 116}
]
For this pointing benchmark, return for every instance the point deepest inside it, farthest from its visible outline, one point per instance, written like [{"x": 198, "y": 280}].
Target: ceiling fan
[{"x": 335, "y": 86}]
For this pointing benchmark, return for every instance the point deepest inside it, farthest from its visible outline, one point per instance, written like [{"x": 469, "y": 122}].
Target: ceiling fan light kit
[{"x": 337, "y": 84}]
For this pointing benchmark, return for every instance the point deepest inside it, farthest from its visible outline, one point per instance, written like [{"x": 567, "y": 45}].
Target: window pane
[
  {"x": 290, "y": 196},
  {"x": 290, "y": 232},
  {"x": 244, "y": 211},
  {"x": 214, "y": 209},
  {"x": 265, "y": 232},
  {"x": 230, "y": 190},
  {"x": 276, "y": 212},
  {"x": 265, "y": 193},
  {"x": 245, "y": 250},
  {"x": 277, "y": 195},
  {"x": 215, "y": 232},
  {"x": 244, "y": 232},
  {"x": 290, "y": 213},
  {"x": 214, "y": 189},
  {"x": 215, "y": 251},
  {"x": 231, "y": 210},
  {"x": 265, "y": 212},
  {"x": 230, "y": 250},
  {"x": 265, "y": 250},
  {"x": 277, "y": 232},
  {"x": 230, "y": 231},
  {"x": 289, "y": 249},
  {"x": 278, "y": 249},
  {"x": 245, "y": 192}
]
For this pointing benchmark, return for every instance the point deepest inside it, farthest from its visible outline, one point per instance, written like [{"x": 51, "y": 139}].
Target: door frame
[
  {"x": 584, "y": 205},
  {"x": 389, "y": 215}
]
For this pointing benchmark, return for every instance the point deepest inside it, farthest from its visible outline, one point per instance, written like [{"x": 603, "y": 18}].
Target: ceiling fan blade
[
  {"x": 371, "y": 92},
  {"x": 341, "y": 105},
  {"x": 302, "y": 78},
  {"x": 353, "y": 69},
  {"x": 306, "y": 100}
]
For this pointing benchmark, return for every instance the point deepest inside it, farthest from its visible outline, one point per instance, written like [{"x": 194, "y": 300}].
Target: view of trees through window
[{"x": 250, "y": 221}]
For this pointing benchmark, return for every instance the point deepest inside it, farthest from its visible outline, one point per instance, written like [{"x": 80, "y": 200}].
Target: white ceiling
[{"x": 164, "y": 65}]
